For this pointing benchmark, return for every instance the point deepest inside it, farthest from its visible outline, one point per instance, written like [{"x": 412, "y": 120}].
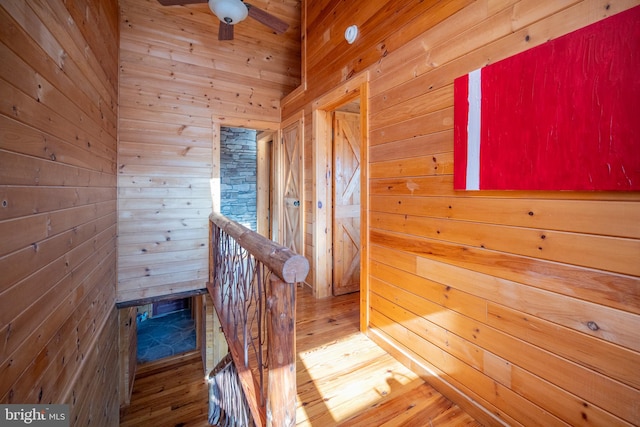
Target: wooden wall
[
  {"x": 178, "y": 84},
  {"x": 58, "y": 108},
  {"x": 525, "y": 303}
]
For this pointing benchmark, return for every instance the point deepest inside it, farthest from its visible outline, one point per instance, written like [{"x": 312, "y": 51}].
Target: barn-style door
[
  {"x": 346, "y": 202},
  {"x": 292, "y": 188}
]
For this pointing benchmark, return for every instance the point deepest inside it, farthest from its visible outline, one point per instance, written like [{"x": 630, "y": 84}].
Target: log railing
[{"x": 252, "y": 283}]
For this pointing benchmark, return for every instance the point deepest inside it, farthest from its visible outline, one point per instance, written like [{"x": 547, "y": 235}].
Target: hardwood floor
[
  {"x": 343, "y": 379},
  {"x": 169, "y": 392}
]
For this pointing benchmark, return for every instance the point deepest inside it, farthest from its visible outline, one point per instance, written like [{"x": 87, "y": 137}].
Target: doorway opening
[
  {"x": 165, "y": 329},
  {"x": 245, "y": 177},
  {"x": 346, "y": 103}
]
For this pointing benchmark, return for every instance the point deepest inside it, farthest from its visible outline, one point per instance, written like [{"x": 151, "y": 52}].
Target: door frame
[
  {"x": 356, "y": 88},
  {"x": 212, "y": 336},
  {"x": 264, "y": 186}
]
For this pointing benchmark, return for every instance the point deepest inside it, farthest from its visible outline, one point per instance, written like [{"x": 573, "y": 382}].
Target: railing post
[{"x": 281, "y": 324}]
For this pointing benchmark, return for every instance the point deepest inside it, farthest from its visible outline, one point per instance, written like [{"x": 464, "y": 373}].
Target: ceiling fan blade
[
  {"x": 225, "y": 31},
  {"x": 180, "y": 2},
  {"x": 273, "y": 22}
]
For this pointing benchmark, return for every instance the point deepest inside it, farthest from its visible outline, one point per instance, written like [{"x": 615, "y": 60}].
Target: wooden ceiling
[{"x": 272, "y": 58}]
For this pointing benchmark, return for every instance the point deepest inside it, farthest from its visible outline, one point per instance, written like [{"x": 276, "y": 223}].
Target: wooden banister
[
  {"x": 286, "y": 264},
  {"x": 260, "y": 277}
]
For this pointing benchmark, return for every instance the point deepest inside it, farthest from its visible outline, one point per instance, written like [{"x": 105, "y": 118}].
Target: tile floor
[{"x": 165, "y": 336}]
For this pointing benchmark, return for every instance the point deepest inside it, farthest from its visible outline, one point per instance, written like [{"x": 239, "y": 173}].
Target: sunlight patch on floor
[{"x": 342, "y": 378}]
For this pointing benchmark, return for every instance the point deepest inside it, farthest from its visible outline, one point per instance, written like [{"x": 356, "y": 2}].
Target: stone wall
[{"x": 238, "y": 158}]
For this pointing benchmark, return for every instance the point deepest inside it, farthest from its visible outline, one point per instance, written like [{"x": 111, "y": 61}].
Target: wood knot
[{"x": 593, "y": 326}]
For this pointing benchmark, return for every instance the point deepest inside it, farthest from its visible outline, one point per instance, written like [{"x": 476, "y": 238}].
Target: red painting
[{"x": 564, "y": 115}]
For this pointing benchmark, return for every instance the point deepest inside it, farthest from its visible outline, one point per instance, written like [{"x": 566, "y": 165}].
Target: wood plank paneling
[
  {"x": 175, "y": 78},
  {"x": 58, "y": 324},
  {"x": 524, "y": 303}
]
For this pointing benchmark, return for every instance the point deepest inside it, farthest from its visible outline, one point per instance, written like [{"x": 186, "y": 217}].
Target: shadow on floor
[{"x": 165, "y": 336}]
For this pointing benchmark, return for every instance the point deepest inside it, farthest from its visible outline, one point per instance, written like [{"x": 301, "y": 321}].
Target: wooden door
[
  {"x": 346, "y": 202},
  {"x": 292, "y": 188}
]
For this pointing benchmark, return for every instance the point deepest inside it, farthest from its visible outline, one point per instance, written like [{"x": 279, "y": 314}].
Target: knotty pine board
[
  {"x": 170, "y": 261},
  {"x": 156, "y": 185},
  {"x": 56, "y": 270},
  {"x": 54, "y": 121},
  {"x": 170, "y": 225},
  {"x": 414, "y": 146},
  {"x": 434, "y": 122},
  {"x": 24, "y": 170},
  {"x": 434, "y": 164},
  {"x": 51, "y": 198},
  {"x": 41, "y": 226},
  {"x": 22, "y": 263},
  {"x": 599, "y": 252},
  {"x": 158, "y": 202},
  {"x": 152, "y": 270},
  {"x": 165, "y": 133},
  {"x": 586, "y": 215},
  {"x": 181, "y": 282},
  {"x": 433, "y": 101},
  {"x": 21, "y": 138},
  {"x": 147, "y": 118}
]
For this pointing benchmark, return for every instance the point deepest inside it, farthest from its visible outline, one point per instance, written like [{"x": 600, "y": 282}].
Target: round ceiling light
[
  {"x": 229, "y": 11},
  {"x": 351, "y": 33}
]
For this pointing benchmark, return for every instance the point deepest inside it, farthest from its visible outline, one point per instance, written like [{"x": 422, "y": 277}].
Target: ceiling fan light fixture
[{"x": 229, "y": 11}]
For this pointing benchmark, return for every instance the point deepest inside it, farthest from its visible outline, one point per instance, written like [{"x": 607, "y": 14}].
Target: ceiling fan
[{"x": 230, "y": 12}]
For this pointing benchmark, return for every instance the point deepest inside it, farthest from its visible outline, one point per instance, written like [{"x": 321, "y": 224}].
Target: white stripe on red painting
[{"x": 473, "y": 130}]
